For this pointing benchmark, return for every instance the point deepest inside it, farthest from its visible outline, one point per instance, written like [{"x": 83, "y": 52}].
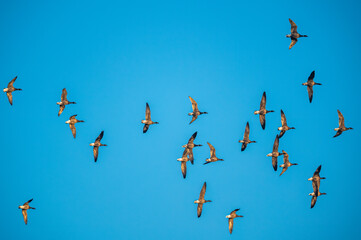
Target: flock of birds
[{"x": 188, "y": 151}]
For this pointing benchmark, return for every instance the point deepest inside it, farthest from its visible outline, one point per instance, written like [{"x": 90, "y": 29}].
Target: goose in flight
[
  {"x": 341, "y": 124},
  {"x": 213, "y": 157},
  {"x": 245, "y": 139},
  {"x": 294, "y": 34},
  {"x": 284, "y": 127},
  {"x": 195, "y": 112},
  {"x": 190, "y": 145},
  {"x": 63, "y": 101},
  {"x": 24, "y": 209},
  {"x": 274, "y": 154},
  {"x": 96, "y": 145},
  {"x": 310, "y": 83},
  {"x": 184, "y": 159},
  {"x": 201, "y": 200},
  {"x": 316, "y": 181},
  {"x": 230, "y": 217},
  {"x": 11, "y": 89},
  {"x": 262, "y": 111},
  {"x": 72, "y": 120},
  {"x": 148, "y": 121},
  {"x": 286, "y": 163}
]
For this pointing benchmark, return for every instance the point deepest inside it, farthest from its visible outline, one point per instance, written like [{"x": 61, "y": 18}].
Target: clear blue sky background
[{"x": 114, "y": 56}]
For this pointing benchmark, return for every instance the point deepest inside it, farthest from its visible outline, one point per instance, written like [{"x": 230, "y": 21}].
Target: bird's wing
[
  {"x": 147, "y": 112},
  {"x": 184, "y": 169},
  {"x": 283, "y": 170},
  {"x": 190, "y": 155},
  {"x": 313, "y": 201},
  {"x": 275, "y": 144},
  {"x": 246, "y": 132},
  {"x": 341, "y": 120},
  {"x": 244, "y": 145},
  {"x": 203, "y": 191},
  {"x": 25, "y": 215},
  {"x": 100, "y": 137},
  {"x": 199, "y": 209},
  {"x": 230, "y": 225},
  {"x": 193, "y": 118},
  {"x": 310, "y": 92},
  {"x": 283, "y": 119},
  {"x": 311, "y": 77},
  {"x": 285, "y": 157},
  {"x": 61, "y": 109},
  {"x": 192, "y": 138},
  {"x": 194, "y": 105},
  {"x": 95, "y": 152},
  {"x": 10, "y": 97},
  {"x": 145, "y": 128},
  {"x": 10, "y": 84},
  {"x": 293, "y": 42},
  {"x": 27, "y": 203},
  {"x": 262, "y": 119},
  {"x": 338, "y": 133},
  {"x": 293, "y": 26},
  {"x": 281, "y": 134},
  {"x": 263, "y": 101},
  {"x": 63, "y": 95},
  {"x": 212, "y": 149},
  {"x": 73, "y": 117},
  {"x": 274, "y": 163},
  {"x": 316, "y": 185},
  {"x": 317, "y": 172},
  {"x": 73, "y": 129}
]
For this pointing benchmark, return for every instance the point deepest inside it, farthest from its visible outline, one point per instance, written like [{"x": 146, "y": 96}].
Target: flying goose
[
  {"x": 294, "y": 34},
  {"x": 63, "y": 101},
  {"x": 262, "y": 111},
  {"x": 274, "y": 154},
  {"x": 201, "y": 200},
  {"x": 314, "y": 197},
  {"x": 11, "y": 89},
  {"x": 230, "y": 217},
  {"x": 310, "y": 83},
  {"x": 148, "y": 121},
  {"x": 316, "y": 181},
  {"x": 213, "y": 157},
  {"x": 184, "y": 159},
  {"x": 195, "y": 112},
  {"x": 190, "y": 145},
  {"x": 284, "y": 127},
  {"x": 245, "y": 140},
  {"x": 72, "y": 120},
  {"x": 286, "y": 163},
  {"x": 341, "y": 124},
  {"x": 25, "y": 207},
  {"x": 96, "y": 145}
]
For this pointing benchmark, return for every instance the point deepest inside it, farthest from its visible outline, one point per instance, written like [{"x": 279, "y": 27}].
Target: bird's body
[
  {"x": 341, "y": 125},
  {"x": 274, "y": 154},
  {"x": 24, "y": 209},
  {"x": 63, "y": 101},
  {"x": 190, "y": 145},
  {"x": 96, "y": 146},
  {"x": 184, "y": 159},
  {"x": 262, "y": 111},
  {"x": 245, "y": 139},
  {"x": 310, "y": 83},
  {"x": 10, "y": 88},
  {"x": 200, "y": 201},
  {"x": 286, "y": 163},
  {"x": 294, "y": 34},
  {"x": 213, "y": 157},
  {"x": 230, "y": 217},
  {"x": 148, "y": 120},
  {"x": 316, "y": 181},
  {"x": 195, "y": 112},
  {"x": 72, "y": 120},
  {"x": 284, "y": 126}
]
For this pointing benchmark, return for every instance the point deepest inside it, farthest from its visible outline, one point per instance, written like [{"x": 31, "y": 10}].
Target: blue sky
[{"x": 114, "y": 56}]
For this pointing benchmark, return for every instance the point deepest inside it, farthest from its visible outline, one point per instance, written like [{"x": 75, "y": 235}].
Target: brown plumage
[
  {"x": 230, "y": 217},
  {"x": 96, "y": 145},
  {"x": 286, "y": 163},
  {"x": 201, "y": 200},
  {"x": 284, "y": 126},
  {"x": 213, "y": 157},
  {"x": 24, "y": 209},
  {"x": 262, "y": 111},
  {"x": 274, "y": 154},
  {"x": 148, "y": 120},
  {"x": 195, "y": 112},
  {"x": 72, "y": 120},
  {"x": 11, "y": 89},
  {"x": 310, "y": 83},
  {"x": 294, "y": 34},
  {"x": 190, "y": 145},
  {"x": 245, "y": 139},
  {"x": 63, "y": 101},
  {"x": 341, "y": 125},
  {"x": 184, "y": 159}
]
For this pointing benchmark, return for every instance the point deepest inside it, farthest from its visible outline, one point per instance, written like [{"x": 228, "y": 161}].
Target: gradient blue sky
[{"x": 114, "y": 56}]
